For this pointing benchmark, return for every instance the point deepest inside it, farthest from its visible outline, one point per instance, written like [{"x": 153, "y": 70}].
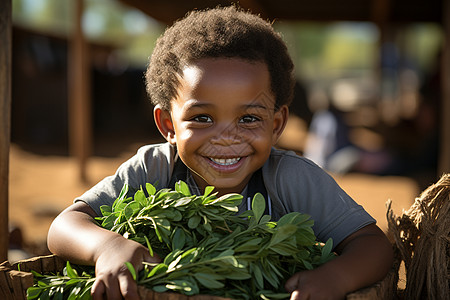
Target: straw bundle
[{"x": 422, "y": 236}]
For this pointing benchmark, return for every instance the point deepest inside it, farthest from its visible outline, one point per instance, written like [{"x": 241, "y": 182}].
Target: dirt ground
[{"x": 42, "y": 186}]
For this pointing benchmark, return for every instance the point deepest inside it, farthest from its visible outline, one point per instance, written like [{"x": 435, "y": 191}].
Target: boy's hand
[
  {"x": 113, "y": 279},
  {"x": 364, "y": 258},
  {"x": 314, "y": 285}
]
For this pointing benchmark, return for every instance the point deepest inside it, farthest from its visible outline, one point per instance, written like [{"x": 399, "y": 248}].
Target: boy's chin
[{"x": 227, "y": 186}]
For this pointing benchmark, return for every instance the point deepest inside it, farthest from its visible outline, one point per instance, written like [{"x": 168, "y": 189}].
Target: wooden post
[
  {"x": 5, "y": 122},
  {"x": 444, "y": 157},
  {"x": 80, "y": 135}
]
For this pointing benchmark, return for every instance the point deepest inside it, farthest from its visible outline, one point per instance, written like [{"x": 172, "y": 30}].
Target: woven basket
[{"x": 14, "y": 283}]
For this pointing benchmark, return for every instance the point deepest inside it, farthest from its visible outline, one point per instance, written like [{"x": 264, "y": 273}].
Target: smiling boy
[
  {"x": 221, "y": 125},
  {"x": 221, "y": 81}
]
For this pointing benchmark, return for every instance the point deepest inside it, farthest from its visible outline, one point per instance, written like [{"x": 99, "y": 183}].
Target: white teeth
[{"x": 225, "y": 161}]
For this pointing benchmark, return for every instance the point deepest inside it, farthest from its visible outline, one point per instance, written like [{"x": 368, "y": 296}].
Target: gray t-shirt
[{"x": 293, "y": 183}]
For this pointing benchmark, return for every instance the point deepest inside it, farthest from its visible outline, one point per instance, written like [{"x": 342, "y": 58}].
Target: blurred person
[{"x": 328, "y": 143}]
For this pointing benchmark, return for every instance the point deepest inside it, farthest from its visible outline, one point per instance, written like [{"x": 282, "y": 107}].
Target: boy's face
[{"x": 223, "y": 121}]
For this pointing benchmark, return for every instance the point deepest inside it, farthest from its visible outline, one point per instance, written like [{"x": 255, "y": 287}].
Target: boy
[{"x": 221, "y": 81}]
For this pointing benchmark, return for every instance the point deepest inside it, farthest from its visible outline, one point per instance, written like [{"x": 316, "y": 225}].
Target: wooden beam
[
  {"x": 5, "y": 122},
  {"x": 380, "y": 12},
  {"x": 444, "y": 157},
  {"x": 80, "y": 128}
]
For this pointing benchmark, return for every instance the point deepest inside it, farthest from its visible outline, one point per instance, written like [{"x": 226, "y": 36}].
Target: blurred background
[{"x": 367, "y": 104}]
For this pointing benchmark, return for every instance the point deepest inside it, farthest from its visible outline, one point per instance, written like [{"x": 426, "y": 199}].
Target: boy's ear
[
  {"x": 164, "y": 123},
  {"x": 279, "y": 122}
]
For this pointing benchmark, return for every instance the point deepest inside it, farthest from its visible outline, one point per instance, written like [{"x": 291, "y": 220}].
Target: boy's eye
[
  {"x": 202, "y": 119},
  {"x": 249, "y": 119}
]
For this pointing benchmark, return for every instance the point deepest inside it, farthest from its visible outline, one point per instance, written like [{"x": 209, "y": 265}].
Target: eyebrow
[
  {"x": 197, "y": 104},
  {"x": 254, "y": 106},
  {"x": 191, "y": 104}
]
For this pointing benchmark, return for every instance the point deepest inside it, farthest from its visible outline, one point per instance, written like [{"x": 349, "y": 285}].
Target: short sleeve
[
  {"x": 296, "y": 184},
  {"x": 151, "y": 163}
]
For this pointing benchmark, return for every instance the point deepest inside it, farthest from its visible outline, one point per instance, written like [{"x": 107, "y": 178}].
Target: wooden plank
[
  {"x": 5, "y": 289},
  {"x": 5, "y": 122},
  {"x": 444, "y": 157},
  {"x": 80, "y": 135},
  {"x": 21, "y": 281}
]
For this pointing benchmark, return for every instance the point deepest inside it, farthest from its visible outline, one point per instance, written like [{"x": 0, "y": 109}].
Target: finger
[
  {"x": 292, "y": 283},
  {"x": 295, "y": 295},
  {"x": 298, "y": 295},
  {"x": 153, "y": 259},
  {"x": 112, "y": 288},
  {"x": 128, "y": 287},
  {"x": 98, "y": 289}
]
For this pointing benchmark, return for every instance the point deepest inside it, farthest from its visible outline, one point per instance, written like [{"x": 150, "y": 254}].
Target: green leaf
[
  {"x": 208, "y": 190},
  {"x": 326, "y": 250},
  {"x": 265, "y": 219},
  {"x": 174, "y": 263},
  {"x": 58, "y": 294},
  {"x": 258, "y": 276},
  {"x": 305, "y": 237},
  {"x": 250, "y": 245},
  {"x": 282, "y": 233},
  {"x": 182, "y": 201},
  {"x": 184, "y": 286},
  {"x": 194, "y": 221},
  {"x": 129, "y": 210},
  {"x": 131, "y": 269},
  {"x": 106, "y": 210},
  {"x": 238, "y": 274},
  {"x": 284, "y": 249},
  {"x": 86, "y": 294},
  {"x": 140, "y": 198},
  {"x": 258, "y": 206},
  {"x": 158, "y": 269},
  {"x": 207, "y": 227},
  {"x": 75, "y": 292},
  {"x": 308, "y": 265},
  {"x": 182, "y": 188},
  {"x": 109, "y": 221},
  {"x": 273, "y": 281},
  {"x": 209, "y": 280},
  {"x": 121, "y": 198},
  {"x": 228, "y": 200},
  {"x": 70, "y": 271},
  {"x": 33, "y": 292},
  {"x": 160, "y": 288},
  {"x": 149, "y": 246},
  {"x": 151, "y": 190},
  {"x": 293, "y": 218},
  {"x": 178, "y": 239},
  {"x": 231, "y": 260}
]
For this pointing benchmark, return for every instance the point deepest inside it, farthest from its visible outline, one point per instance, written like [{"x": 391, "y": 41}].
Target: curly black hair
[{"x": 219, "y": 32}]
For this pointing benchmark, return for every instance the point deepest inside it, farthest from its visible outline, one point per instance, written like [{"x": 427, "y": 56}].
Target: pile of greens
[{"x": 207, "y": 247}]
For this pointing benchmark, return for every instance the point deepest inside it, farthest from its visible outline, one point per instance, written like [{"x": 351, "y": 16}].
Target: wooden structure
[
  {"x": 80, "y": 131},
  {"x": 382, "y": 12},
  {"x": 392, "y": 11},
  {"x": 444, "y": 158},
  {"x": 14, "y": 283},
  {"x": 5, "y": 121}
]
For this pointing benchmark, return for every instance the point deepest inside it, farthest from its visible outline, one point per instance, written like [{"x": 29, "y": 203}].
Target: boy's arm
[
  {"x": 365, "y": 257},
  {"x": 74, "y": 235}
]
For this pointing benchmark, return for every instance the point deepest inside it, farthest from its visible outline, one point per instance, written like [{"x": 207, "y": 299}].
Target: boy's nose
[{"x": 227, "y": 136}]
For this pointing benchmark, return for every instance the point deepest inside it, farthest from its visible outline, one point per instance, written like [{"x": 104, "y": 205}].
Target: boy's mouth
[{"x": 225, "y": 161}]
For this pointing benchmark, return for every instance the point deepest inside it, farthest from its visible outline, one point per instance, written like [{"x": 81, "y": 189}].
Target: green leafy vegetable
[{"x": 207, "y": 247}]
